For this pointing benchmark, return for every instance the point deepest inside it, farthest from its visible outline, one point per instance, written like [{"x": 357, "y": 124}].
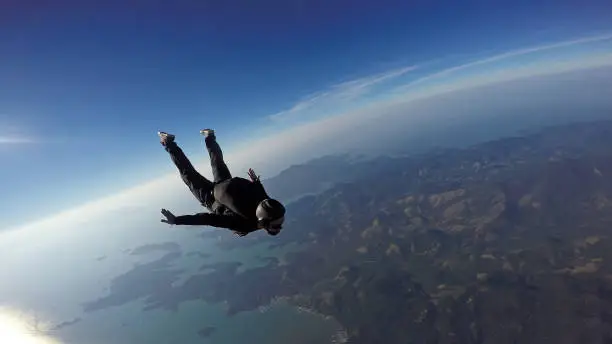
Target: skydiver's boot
[
  {"x": 207, "y": 132},
  {"x": 165, "y": 138}
]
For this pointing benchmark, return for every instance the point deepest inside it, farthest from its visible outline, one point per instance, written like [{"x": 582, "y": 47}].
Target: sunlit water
[{"x": 21, "y": 328}]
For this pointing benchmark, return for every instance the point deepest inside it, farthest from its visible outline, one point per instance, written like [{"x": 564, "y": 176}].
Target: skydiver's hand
[
  {"x": 254, "y": 177},
  {"x": 170, "y": 218}
]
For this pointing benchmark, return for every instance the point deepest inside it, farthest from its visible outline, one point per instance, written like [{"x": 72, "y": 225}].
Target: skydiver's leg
[
  {"x": 219, "y": 168},
  {"x": 199, "y": 186}
]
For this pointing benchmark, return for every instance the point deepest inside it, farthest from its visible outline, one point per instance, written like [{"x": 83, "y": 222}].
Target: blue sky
[{"x": 83, "y": 89}]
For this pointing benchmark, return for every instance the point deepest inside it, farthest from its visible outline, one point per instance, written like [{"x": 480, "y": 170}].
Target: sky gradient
[{"x": 84, "y": 89}]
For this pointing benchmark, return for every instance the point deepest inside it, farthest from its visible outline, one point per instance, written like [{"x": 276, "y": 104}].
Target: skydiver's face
[
  {"x": 273, "y": 227},
  {"x": 274, "y": 230}
]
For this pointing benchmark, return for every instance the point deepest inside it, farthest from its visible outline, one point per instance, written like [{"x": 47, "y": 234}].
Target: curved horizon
[{"x": 239, "y": 153}]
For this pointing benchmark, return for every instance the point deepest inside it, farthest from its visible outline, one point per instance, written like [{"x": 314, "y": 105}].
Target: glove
[
  {"x": 170, "y": 218},
  {"x": 254, "y": 177},
  {"x": 240, "y": 234}
]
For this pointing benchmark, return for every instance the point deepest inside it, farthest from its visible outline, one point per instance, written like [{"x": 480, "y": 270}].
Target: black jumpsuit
[{"x": 232, "y": 201}]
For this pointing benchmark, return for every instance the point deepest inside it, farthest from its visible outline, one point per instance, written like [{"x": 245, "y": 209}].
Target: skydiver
[{"x": 235, "y": 203}]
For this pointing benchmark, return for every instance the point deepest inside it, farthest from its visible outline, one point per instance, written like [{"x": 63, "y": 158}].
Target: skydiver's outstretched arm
[{"x": 234, "y": 223}]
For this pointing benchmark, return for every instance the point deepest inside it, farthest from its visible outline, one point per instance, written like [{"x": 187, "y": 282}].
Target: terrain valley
[{"x": 506, "y": 241}]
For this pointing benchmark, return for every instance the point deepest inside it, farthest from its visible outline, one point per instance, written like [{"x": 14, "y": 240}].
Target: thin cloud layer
[
  {"x": 340, "y": 93},
  {"x": 11, "y": 133},
  {"x": 15, "y": 140},
  {"x": 336, "y": 99},
  {"x": 508, "y": 55}
]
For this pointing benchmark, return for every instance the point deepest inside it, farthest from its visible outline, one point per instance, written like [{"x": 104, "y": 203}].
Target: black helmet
[{"x": 271, "y": 213}]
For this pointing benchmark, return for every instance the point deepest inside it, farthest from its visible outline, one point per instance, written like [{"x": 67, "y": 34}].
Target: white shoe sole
[{"x": 162, "y": 135}]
